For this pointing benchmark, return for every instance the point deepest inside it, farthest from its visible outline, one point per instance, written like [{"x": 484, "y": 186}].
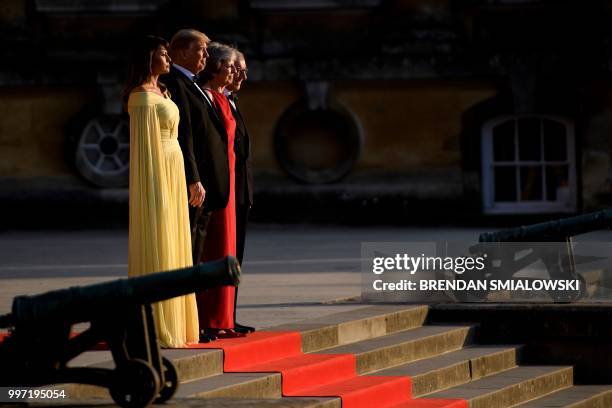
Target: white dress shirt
[
  {"x": 231, "y": 100},
  {"x": 191, "y": 77}
]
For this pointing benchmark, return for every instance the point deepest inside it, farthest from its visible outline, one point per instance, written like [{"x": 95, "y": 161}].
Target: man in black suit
[
  {"x": 202, "y": 137},
  {"x": 244, "y": 175}
]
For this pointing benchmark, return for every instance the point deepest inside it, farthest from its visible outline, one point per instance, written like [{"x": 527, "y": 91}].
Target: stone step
[
  {"x": 406, "y": 346},
  {"x": 456, "y": 368},
  {"x": 293, "y": 402},
  {"x": 511, "y": 387},
  {"x": 317, "y": 333},
  {"x": 578, "y": 396},
  {"x": 190, "y": 364},
  {"x": 371, "y": 355},
  {"x": 233, "y": 385},
  {"x": 356, "y": 325}
]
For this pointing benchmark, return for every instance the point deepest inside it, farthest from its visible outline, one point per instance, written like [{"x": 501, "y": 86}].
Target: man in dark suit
[
  {"x": 244, "y": 175},
  {"x": 202, "y": 137}
]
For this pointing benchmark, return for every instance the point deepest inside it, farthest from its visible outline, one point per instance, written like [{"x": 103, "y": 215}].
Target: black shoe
[
  {"x": 230, "y": 334},
  {"x": 239, "y": 328},
  {"x": 206, "y": 337}
]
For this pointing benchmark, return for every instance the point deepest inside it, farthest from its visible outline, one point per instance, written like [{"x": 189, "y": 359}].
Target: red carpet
[
  {"x": 318, "y": 375},
  {"x": 303, "y": 372},
  {"x": 258, "y": 347},
  {"x": 365, "y": 391}
]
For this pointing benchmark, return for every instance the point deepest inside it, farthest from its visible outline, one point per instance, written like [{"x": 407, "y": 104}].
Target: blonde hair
[{"x": 183, "y": 38}]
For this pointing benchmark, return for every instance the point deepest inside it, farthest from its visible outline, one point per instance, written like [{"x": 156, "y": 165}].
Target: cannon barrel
[
  {"x": 552, "y": 230},
  {"x": 82, "y": 303}
]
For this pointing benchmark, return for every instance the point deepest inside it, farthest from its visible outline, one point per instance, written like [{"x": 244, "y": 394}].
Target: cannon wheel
[
  {"x": 135, "y": 384},
  {"x": 171, "y": 382},
  {"x": 102, "y": 151}
]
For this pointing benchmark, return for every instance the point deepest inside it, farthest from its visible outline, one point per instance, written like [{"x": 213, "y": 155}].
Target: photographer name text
[{"x": 487, "y": 285}]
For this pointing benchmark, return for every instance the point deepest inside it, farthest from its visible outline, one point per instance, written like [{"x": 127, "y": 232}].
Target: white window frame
[{"x": 490, "y": 206}]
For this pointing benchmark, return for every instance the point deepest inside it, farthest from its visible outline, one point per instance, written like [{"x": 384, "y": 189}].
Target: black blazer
[
  {"x": 203, "y": 140},
  {"x": 242, "y": 148}
]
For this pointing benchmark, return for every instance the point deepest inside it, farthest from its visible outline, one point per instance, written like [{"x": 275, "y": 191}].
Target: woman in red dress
[{"x": 216, "y": 306}]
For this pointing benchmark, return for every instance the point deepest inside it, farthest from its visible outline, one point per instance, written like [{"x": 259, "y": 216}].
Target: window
[{"x": 528, "y": 165}]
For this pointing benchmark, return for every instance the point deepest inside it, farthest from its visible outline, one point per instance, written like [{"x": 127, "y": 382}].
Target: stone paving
[{"x": 291, "y": 272}]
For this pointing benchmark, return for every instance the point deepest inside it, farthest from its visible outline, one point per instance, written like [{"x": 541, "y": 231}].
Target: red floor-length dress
[{"x": 216, "y": 306}]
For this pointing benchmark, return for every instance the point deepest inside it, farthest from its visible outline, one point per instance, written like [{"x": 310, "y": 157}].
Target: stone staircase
[{"x": 441, "y": 360}]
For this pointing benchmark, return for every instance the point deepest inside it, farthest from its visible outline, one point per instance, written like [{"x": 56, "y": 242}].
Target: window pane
[
  {"x": 557, "y": 183},
  {"x": 531, "y": 183},
  {"x": 503, "y": 141},
  {"x": 555, "y": 143},
  {"x": 529, "y": 139},
  {"x": 505, "y": 183}
]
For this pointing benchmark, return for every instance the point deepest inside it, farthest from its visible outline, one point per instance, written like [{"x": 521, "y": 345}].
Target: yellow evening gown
[{"x": 159, "y": 235}]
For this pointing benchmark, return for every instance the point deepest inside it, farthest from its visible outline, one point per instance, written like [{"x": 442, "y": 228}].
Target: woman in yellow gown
[{"x": 159, "y": 236}]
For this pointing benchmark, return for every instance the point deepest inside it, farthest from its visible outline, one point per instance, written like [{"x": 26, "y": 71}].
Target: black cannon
[
  {"x": 552, "y": 231},
  {"x": 550, "y": 242},
  {"x": 40, "y": 343}
]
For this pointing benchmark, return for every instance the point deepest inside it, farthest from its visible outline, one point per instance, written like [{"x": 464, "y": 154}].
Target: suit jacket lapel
[
  {"x": 192, "y": 86},
  {"x": 208, "y": 104},
  {"x": 237, "y": 114},
  {"x": 238, "y": 117}
]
